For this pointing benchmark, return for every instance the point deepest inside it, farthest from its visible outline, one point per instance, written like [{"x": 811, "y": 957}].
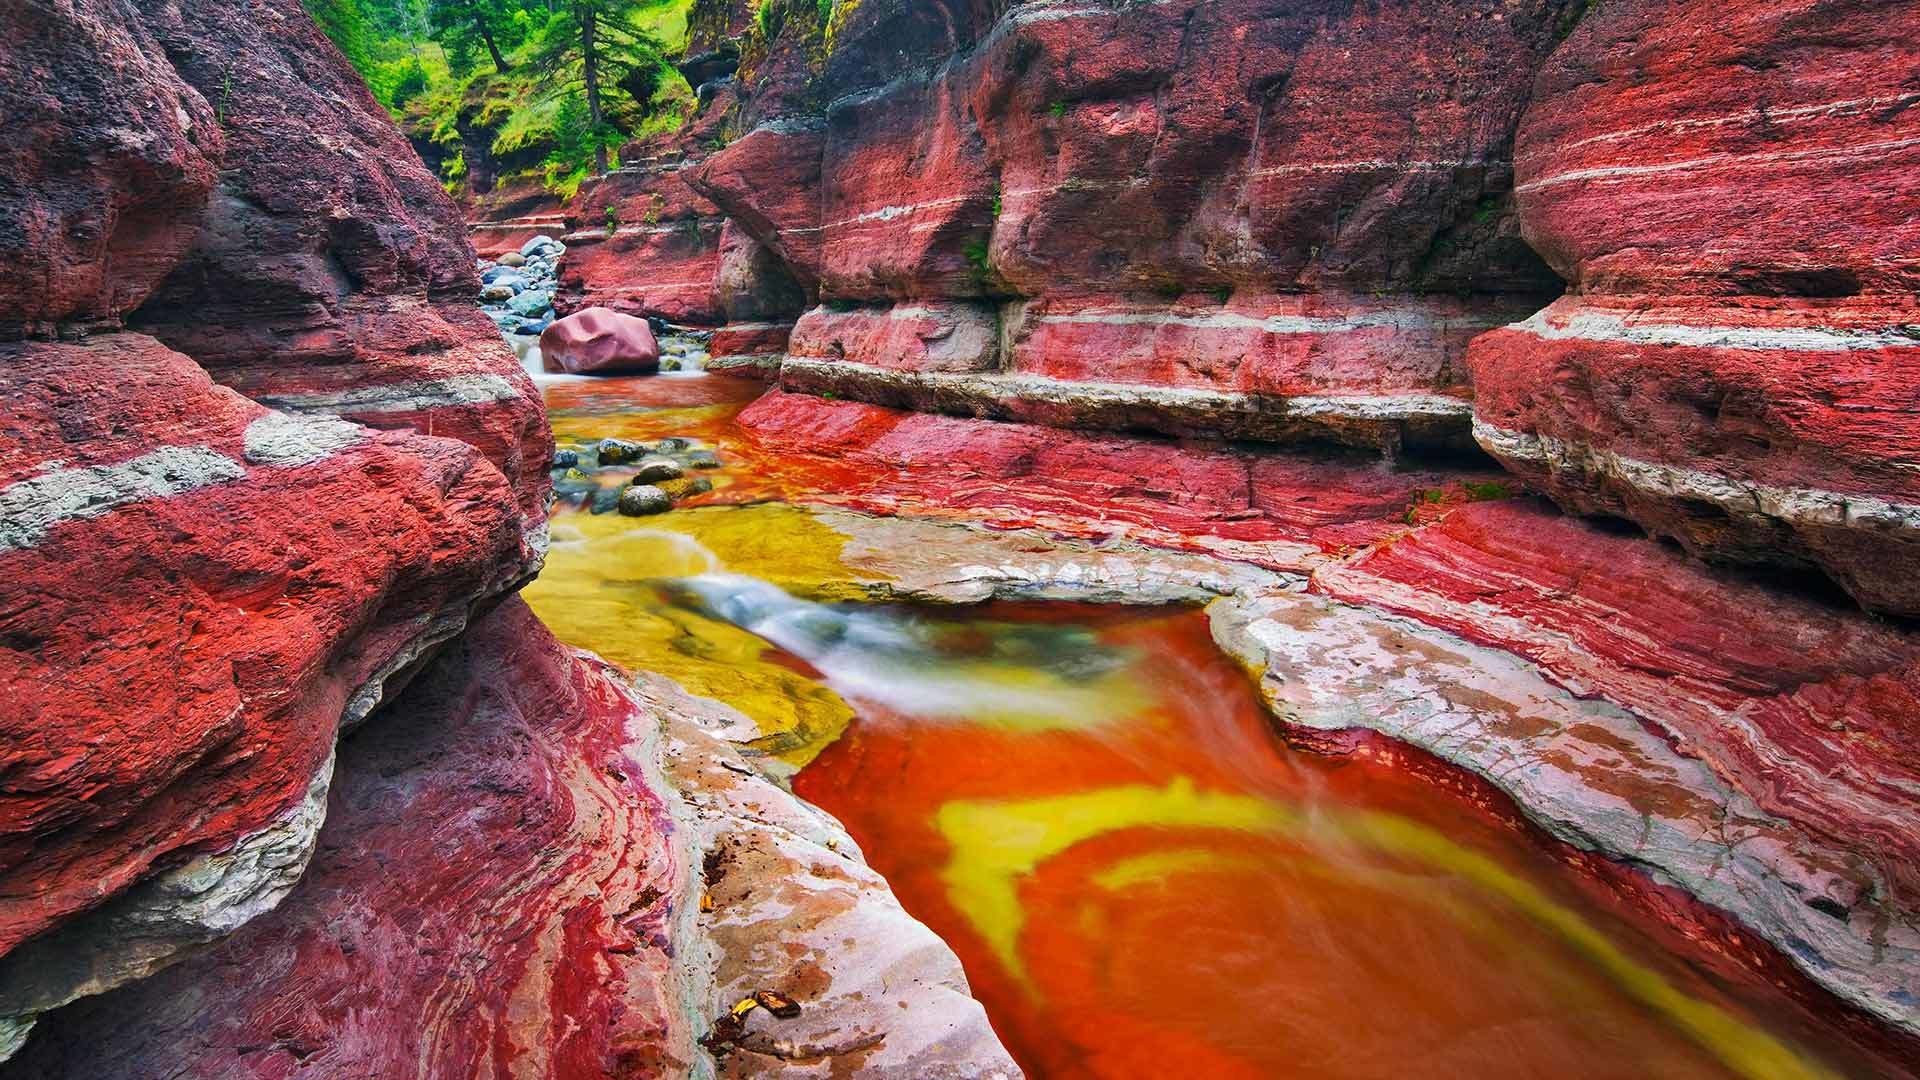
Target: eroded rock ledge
[{"x": 542, "y": 866}]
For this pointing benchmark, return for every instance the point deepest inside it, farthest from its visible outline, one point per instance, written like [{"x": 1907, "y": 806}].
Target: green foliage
[
  {"x": 496, "y": 74},
  {"x": 1057, "y": 110},
  {"x": 577, "y": 143},
  {"x": 1491, "y": 489},
  {"x": 344, "y": 23},
  {"x": 979, "y": 258}
]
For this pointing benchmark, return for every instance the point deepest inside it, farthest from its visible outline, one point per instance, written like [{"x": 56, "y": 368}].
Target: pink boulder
[{"x": 599, "y": 341}]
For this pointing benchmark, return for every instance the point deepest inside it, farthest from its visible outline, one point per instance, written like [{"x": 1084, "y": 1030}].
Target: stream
[{"x": 1092, "y": 806}]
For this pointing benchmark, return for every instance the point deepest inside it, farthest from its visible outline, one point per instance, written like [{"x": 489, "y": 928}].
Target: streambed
[{"x": 1091, "y": 806}]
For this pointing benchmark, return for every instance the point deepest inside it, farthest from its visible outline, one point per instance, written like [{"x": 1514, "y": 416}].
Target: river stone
[
  {"x": 620, "y": 451},
  {"x": 703, "y": 459},
  {"x": 658, "y": 468},
  {"x": 531, "y": 303},
  {"x": 599, "y": 341},
  {"x": 686, "y": 486},
  {"x": 497, "y": 293},
  {"x": 643, "y": 499},
  {"x": 513, "y": 258}
]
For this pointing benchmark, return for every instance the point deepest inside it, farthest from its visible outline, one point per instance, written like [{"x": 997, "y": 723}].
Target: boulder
[
  {"x": 599, "y": 341},
  {"x": 640, "y": 500},
  {"x": 106, "y": 167},
  {"x": 651, "y": 469}
]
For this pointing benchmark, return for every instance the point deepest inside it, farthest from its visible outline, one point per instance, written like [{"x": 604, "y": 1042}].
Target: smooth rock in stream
[
  {"x": 641, "y": 500},
  {"x": 658, "y": 468},
  {"x": 619, "y": 451},
  {"x": 599, "y": 341},
  {"x": 531, "y": 303}
]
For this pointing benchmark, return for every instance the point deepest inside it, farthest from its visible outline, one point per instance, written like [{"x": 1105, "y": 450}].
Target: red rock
[
  {"x": 500, "y": 811},
  {"x": 1803, "y": 706},
  {"x": 331, "y": 273},
  {"x": 506, "y": 216},
  {"x": 1281, "y": 345},
  {"x": 1727, "y": 189},
  {"x": 254, "y": 580},
  {"x": 1286, "y": 179},
  {"x": 768, "y": 182},
  {"x": 105, "y": 168},
  {"x": 514, "y": 861},
  {"x": 599, "y": 341},
  {"x": 1284, "y": 510},
  {"x": 753, "y": 283},
  {"x": 658, "y": 254},
  {"x": 906, "y": 337},
  {"x": 749, "y": 348}
]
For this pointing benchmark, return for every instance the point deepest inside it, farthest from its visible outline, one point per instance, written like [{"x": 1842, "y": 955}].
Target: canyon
[{"x": 1258, "y": 538}]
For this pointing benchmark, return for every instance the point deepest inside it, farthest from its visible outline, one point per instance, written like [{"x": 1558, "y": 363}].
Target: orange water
[{"x": 1147, "y": 882}]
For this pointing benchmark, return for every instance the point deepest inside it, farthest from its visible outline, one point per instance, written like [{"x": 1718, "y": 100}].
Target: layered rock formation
[
  {"x": 1145, "y": 216},
  {"x": 1729, "y": 190},
  {"x": 203, "y": 589},
  {"x": 556, "y": 873},
  {"x": 229, "y": 275}
]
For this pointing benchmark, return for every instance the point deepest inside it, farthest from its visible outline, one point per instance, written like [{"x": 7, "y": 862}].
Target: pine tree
[
  {"x": 464, "y": 25},
  {"x": 594, "y": 44}
]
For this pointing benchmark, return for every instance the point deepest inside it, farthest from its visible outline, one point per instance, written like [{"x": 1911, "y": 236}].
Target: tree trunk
[
  {"x": 486, "y": 34},
  {"x": 589, "y": 49}
]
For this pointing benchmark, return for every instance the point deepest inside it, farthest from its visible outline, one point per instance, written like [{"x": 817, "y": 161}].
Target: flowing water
[{"x": 1092, "y": 807}]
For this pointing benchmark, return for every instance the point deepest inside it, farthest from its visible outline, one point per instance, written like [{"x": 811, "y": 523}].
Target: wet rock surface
[
  {"x": 610, "y": 856},
  {"x": 260, "y": 580}
]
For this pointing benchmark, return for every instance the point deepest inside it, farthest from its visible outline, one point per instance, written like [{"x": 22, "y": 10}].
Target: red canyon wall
[
  {"x": 1320, "y": 221},
  {"x": 1730, "y": 191},
  {"x": 1276, "y": 221},
  {"x": 203, "y": 202}
]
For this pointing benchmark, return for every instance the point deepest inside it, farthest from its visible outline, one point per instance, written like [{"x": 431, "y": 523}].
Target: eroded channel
[{"x": 1092, "y": 806}]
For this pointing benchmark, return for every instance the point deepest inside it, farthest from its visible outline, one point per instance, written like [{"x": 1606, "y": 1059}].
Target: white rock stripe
[
  {"x": 1777, "y": 159},
  {"x": 145, "y": 929},
  {"x": 1045, "y": 389},
  {"x": 746, "y": 326},
  {"x": 1601, "y": 326},
  {"x": 1378, "y": 165},
  {"x": 530, "y": 222},
  {"x": 1738, "y": 498},
  {"x": 398, "y": 397},
  {"x": 761, "y": 361},
  {"x": 1787, "y": 115},
  {"x": 31, "y": 508},
  {"x": 1398, "y": 319}
]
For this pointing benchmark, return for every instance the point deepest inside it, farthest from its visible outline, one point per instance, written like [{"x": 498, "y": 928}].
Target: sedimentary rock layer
[
  {"x": 1285, "y": 511},
  {"x": 253, "y": 581},
  {"x": 602, "y": 880},
  {"x": 1793, "y": 708},
  {"x": 331, "y": 274},
  {"x": 1729, "y": 191},
  {"x": 1230, "y": 235}
]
